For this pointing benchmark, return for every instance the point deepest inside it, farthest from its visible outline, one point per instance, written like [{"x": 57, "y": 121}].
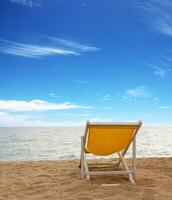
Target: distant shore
[{"x": 61, "y": 180}]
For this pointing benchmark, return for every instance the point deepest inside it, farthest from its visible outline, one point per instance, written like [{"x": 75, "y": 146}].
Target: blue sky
[{"x": 63, "y": 62}]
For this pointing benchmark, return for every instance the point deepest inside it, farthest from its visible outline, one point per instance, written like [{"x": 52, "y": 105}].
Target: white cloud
[
  {"x": 159, "y": 71},
  {"x": 52, "y": 95},
  {"x": 107, "y": 97},
  {"x": 50, "y": 48},
  {"x": 158, "y": 13},
  {"x": 100, "y": 119},
  {"x": 137, "y": 93},
  {"x": 165, "y": 107},
  {"x": 31, "y": 50},
  {"x": 15, "y": 120},
  {"x": 28, "y": 3},
  {"x": 37, "y": 105},
  {"x": 73, "y": 44}
]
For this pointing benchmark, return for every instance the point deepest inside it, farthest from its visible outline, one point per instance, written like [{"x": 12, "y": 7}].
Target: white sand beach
[{"x": 49, "y": 180}]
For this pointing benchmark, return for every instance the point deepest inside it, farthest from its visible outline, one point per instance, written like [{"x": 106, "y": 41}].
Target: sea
[{"x": 57, "y": 143}]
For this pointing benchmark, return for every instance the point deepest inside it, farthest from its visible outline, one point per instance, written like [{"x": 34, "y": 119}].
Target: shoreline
[
  {"x": 60, "y": 179},
  {"x": 77, "y": 159}
]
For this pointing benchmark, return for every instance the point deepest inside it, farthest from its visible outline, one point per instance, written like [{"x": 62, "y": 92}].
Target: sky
[{"x": 64, "y": 62}]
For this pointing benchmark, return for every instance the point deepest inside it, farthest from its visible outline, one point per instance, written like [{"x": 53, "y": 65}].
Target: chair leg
[
  {"x": 82, "y": 158},
  {"x": 79, "y": 163},
  {"x": 119, "y": 161},
  {"x": 86, "y": 170},
  {"x": 123, "y": 154},
  {"x": 134, "y": 158},
  {"x": 126, "y": 167}
]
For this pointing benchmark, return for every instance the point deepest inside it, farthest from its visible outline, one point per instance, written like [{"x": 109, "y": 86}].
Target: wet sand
[{"x": 50, "y": 180}]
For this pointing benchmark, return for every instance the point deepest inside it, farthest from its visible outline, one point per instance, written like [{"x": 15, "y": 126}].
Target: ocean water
[{"x": 18, "y": 144}]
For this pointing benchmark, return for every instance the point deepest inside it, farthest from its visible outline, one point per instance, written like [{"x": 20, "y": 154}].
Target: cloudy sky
[{"x": 63, "y": 62}]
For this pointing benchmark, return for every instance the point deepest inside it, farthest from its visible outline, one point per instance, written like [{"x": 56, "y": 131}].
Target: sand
[{"x": 61, "y": 180}]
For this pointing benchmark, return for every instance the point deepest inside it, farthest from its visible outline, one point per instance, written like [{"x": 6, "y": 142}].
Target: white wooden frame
[{"x": 85, "y": 173}]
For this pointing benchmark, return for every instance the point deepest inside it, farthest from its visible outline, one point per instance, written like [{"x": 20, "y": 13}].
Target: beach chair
[{"x": 105, "y": 139}]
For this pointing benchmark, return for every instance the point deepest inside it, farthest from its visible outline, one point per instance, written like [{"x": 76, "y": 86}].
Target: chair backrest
[{"x": 108, "y": 138}]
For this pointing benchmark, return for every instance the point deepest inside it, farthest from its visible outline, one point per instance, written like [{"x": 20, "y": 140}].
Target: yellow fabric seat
[{"x": 105, "y": 140}]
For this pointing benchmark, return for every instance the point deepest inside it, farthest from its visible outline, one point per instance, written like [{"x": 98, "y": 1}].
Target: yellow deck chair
[{"x": 105, "y": 139}]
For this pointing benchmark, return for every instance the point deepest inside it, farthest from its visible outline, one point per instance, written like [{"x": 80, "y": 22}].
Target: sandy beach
[{"x": 61, "y": 180}]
